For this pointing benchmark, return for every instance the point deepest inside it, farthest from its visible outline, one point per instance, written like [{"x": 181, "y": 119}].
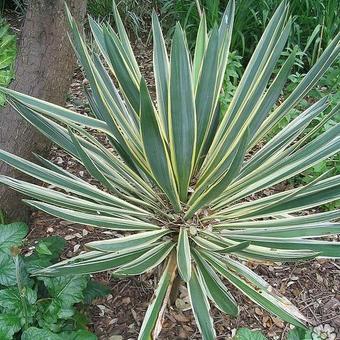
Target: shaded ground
[{"x": 313, "y": 286}]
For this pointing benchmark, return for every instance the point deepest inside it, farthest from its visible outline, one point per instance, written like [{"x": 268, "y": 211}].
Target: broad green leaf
[
  {"x": 182, "y": 115},
  {"x": 65, "y": 292},
  {"x": 39, "y": 334},
  {"x": 55, "y": 245},
  {"x": 300, "y": 334},
  {"x": 12, "y": 235},
  {"x": 247, "y": 334},
  {"x": 12, "y": 300},
  {"x": 80, "y": 334},
  {"x": 183, "y": 255},
  {"x": 7, "y": 270},
  {"x": 200, "y": 307},
  {"x": 10, "y": 324},
  {"x": 94, "y": 290}
]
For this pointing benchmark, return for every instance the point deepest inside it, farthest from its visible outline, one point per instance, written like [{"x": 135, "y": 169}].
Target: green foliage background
[{"x": 7, "y": 56}]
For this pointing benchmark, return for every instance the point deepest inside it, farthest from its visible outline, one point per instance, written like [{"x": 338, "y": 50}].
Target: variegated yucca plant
[{"x": 182, "y": 178}]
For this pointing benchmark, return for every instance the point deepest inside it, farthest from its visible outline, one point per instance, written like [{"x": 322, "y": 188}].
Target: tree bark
[{"x": 44, "y": 69}]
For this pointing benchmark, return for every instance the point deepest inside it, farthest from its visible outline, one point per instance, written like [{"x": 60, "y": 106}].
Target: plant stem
[{"x": 21, "y": 289}]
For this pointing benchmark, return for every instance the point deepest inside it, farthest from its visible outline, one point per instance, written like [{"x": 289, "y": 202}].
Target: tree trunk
[{"x": 44, "y": 69}]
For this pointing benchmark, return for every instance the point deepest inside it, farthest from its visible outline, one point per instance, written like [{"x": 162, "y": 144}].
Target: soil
[{"x": 313, "y": 286}]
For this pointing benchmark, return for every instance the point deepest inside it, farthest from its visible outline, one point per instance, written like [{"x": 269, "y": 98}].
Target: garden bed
[{"x": 313, "y": 286}]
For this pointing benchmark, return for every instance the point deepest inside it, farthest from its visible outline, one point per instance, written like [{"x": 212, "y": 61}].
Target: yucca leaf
[
  {"x": 200, "y": 48},
  {"x": 130, "y": 241},
  {"x": 324, "y": 248},
  {"x": 315, "y": 73},
  {"x": 200, "y": 307},
  {"x": 290, "y": 220},
  {"x": 221, "y": 246},
  {"x": 206, "y": 97},
  {"x": 54, "y": 167},
  {"x": 268, "y": 299},
  {"x": 301, "y": 231},
  {"x": 92, "y": 262},
  {"x": 180, "y": 162},
  {"x": 320, "y": 148},
  {"x": 153, "y": 316},
  {"x": 312, "y": 132},
  {"x": 119, "y": 115},
  {"x": 65, "y": 182},
  {"x": 237, "y": 117},
  {"x": 90, "y": 165},
  {"x": 198, "y": 201},
  {"x": 147, "y": 261},
  {"x": 67, "y": 201},
  {"x": 161, "y": 68},
  {"x": 326, "y": 190},
  {"x": 125, "y": 40},
  {"x": 247, "y": 250},
  {"x": 155, "y": 148},
  {"x": 183, "y": 255},
  {"x": 243, "y": 113},
  {"x": 182, "y": 115},
  {"x": 273, "y": 93},
  {"x": 284, "y": 138},
  {"x": 124, "y": 74},
  {"x": 56, "y": 111},
  {"x": 91, "y": 219},
  {"x": 216, "y": 290}
]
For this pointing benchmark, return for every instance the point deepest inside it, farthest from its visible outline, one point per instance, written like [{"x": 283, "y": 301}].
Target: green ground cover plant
[
  {"x": 184, "y": 181},
  {"x": 294, "y": 334},
  {"x": 40, "y": 307}
]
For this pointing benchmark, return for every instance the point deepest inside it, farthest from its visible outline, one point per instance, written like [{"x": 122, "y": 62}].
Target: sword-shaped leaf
[
  {"x": 183, "y": 255},
  {"x": 155, "y": 148},
  {"x": 200, "y": 307},
  {"x": 182, "y": 115}
]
